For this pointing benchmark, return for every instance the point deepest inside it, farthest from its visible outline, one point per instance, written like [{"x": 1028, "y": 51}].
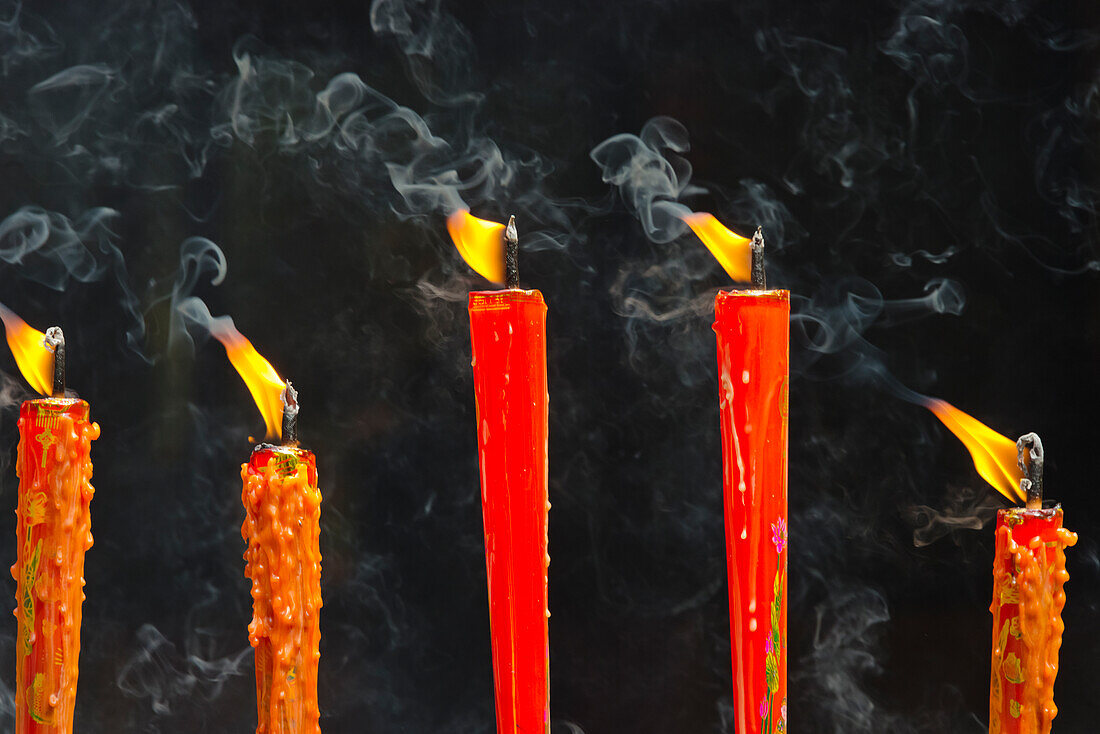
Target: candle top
[
  {"x": 65, "y": 402},
  {"x": 1014, "y": 515},
  {"x": 501, "y": 299},
  {"x": 776, "y": 295}
]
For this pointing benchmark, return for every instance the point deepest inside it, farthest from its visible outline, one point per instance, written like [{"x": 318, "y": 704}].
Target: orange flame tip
[
  {"x": 995, "y": 456},
  {"x": 480, "y": 242},
  {"x": 32, "y": 355},
  {"x": 261, "y": 378},
  {"x": 730, "y": 249}
]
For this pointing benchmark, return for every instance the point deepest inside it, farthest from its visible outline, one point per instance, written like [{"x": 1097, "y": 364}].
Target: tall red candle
[
  {"x": 508, "y": 336},
  {"x": 752, "y": 329}
]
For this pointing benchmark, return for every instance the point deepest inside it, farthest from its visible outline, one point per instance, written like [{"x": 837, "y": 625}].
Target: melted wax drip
[
  {"x": 282, "y": 527},
  {"x": 54, "y": 531}
]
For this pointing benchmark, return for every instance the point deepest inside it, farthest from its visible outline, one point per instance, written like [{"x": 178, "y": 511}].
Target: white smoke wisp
[{"x": 650, "y": 175}]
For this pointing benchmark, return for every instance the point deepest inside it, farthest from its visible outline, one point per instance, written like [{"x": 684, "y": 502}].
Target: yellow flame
[
  {"x": 994, "y": 455},
  {"x": 261, "y": 378},
  {"x": 480, "y": 242},
  {"x": 730, "y": 249},
  {"x": 34, "y": 358}
]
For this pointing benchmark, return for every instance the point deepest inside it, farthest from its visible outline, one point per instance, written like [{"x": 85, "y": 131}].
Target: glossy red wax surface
[
  {"x": 508, "y": 336},
  {"x": 753, "y": 332}
]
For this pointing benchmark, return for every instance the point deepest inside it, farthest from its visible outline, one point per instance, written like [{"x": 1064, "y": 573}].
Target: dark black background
[{"x": 926, "y": 173}]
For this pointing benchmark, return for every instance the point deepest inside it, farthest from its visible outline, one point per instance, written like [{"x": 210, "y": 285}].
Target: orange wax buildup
[
  {"x": 282, "y": 526},
  {"x": 508, "y": 335},
  {"x": 1029, "y": 576},
  {"x": 752, "y": 328},
  {"x": 54, "y": 530}
]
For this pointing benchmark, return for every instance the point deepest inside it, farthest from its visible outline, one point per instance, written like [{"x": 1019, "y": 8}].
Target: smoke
[
  {"x": 194, "y": 311},
  {"x": 920, "y": 176},
  {"x": 354, "y": 138},
  {"x": 650, "y": 175},
  {"x": 967, "y": 508},
  {"x": 51, "y": 249},
  {"x": 835, "y": 679},
  {"x": 438, "y": 50},
  {"x": 199, "y": 257},
  {"x": 167, "y": 678},
  {"x": 845, "y": 652},
  {"x": 12, "y": 393}
]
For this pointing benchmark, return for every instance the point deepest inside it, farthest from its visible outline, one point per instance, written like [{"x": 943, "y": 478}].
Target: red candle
[
  {"x": 283, "y": 560},
  {"x": 282, "y": 528},
  {"x": 53, "y": 529},
  {"x": 1029, "y": 576},
  {"x": 508, "y": 337},
  {"x": 752, "y": 329}
]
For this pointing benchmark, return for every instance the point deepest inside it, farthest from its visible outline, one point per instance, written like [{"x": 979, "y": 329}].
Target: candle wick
[
  {"x": 55, "y": 342},
  {"x": 1029, "y": 457},
  {"x": 290, "y": 415},
  {"x": 759, "y": 280},
  {"x": 511, "y": 254}
]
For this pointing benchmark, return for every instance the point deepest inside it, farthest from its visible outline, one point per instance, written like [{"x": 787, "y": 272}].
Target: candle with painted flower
[
  {"x": 752, "y": 328},
  {"x": 508, "y": 337},
  {"x": 1029, "y": 576},
  {"x": 53, "y": 530},
  {"x": 283, "y": 560}
]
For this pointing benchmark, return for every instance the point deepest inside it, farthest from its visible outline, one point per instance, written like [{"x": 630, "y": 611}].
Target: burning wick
[
  {"x": 290, "y": 415},
  {"x": 55, "y": 342},
  {"x": 759, "y": 281},
  {"x": 511, "y": 254},
  {"x": 1029, "y": 452}
]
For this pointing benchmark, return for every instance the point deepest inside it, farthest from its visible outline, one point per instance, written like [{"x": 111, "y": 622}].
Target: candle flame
[
  {"x": 32, "y": 355},
  {"x": 261, "y": 378},
  {"x": 730, "y": 249},
  {"x": 995, "y": 456},
  {"x": 480, "y": 242}
]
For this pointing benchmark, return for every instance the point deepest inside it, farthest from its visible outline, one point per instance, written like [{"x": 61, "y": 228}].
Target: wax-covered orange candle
[
  {"x": 282, "y": 528},
  {"x": 283, "y": 560},
  {"x": 508, "y": 339},
  {"x": 53, "y": 528},
  {"x": 1029, "y": 576}
]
